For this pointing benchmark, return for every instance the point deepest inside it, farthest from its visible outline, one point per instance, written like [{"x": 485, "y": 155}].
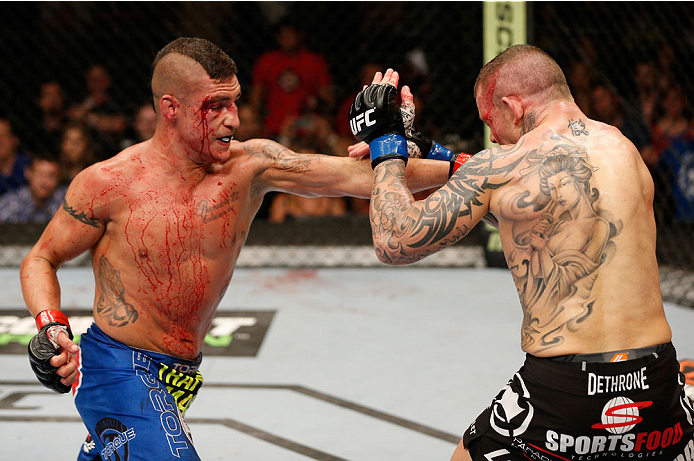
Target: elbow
[
  {"x": 382, "y": 251},
  {"x": 384, "y": 257},
  {"x": 391, "y": 253},
  {"x": 32, "y": 260}
]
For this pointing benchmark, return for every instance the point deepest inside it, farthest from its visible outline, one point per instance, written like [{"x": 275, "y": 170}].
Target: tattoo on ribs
[
  {"x": 111, "y": 304},
  {"x": 560, "y": 239},
  {"x": 81, "y": 217}
]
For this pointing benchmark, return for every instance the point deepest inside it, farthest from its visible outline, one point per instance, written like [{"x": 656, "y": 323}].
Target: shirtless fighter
[
  {"x": 165, "y": 221},
  {"x": 574, "y": 203}
]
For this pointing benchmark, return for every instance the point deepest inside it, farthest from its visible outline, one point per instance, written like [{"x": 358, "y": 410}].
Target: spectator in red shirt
[{"x": 287, "y": 80}]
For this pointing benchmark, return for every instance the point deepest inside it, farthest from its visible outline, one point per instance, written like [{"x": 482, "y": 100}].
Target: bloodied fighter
[{"x": 164, "y": 221}]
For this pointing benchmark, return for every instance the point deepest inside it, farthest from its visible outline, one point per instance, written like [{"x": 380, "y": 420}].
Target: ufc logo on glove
[{"x": 365, "y": 118}]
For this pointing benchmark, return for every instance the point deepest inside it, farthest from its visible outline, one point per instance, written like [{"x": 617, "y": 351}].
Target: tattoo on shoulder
[
  {"x": 283, "y": 158},
  {"x": 112, "y": 305},
  {"x": 80, "y": 216},
  {"x": 578, "y": 127}
]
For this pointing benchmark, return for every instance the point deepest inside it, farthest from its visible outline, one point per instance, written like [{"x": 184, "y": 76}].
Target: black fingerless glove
[
  {"x": 44, "y": 346},
  {"x": 374, "y": 117}
]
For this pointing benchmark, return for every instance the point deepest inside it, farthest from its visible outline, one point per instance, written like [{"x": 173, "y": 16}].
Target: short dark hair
[
  {"x": 40, "y": 153},
  {"x": 218, "y": 65}
]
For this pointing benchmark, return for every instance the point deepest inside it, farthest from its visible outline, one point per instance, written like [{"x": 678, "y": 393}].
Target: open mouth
[{"x": 226, "y": 139}]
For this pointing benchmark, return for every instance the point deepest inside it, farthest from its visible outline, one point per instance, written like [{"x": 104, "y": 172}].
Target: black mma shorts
[{"x": 581, "y": 411}]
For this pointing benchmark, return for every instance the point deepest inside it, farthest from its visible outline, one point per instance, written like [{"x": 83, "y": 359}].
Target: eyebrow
[{"x": 216, "y": 99}]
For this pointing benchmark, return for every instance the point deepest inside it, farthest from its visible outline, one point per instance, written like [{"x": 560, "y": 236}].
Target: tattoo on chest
[
  {"x": 112, "y": 305},
  {"x": 80, "y": 216},
  {"x": 561, "y": 237},
  {"x": 209, "y": 212}
]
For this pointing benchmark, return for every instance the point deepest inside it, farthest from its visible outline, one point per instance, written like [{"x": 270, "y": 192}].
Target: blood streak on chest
[{"x": 167, "y": 243}]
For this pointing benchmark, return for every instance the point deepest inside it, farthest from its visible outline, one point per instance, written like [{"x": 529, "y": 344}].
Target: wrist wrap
[
  {"x": 457, "y": 161},
  {"x": 438, "y": 152},
  {"x": 386, "y": 147},
  {"x": 51, "y": 315}
]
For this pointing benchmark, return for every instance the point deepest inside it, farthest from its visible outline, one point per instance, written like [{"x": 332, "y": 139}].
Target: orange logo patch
[
  {"x": 619, "y": 357},
  {"x": 687, "y": 367}
]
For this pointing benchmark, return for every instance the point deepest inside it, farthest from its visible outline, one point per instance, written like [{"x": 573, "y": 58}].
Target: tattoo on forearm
[
  {"x": 81, "y": 217},
  {"x": 112, "y": 305},
  {"x": 415, "y": 232}
]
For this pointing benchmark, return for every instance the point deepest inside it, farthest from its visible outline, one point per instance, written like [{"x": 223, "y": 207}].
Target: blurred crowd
[
  {"x": 292, "y": 99},
  {"x": 656, "y": 116}
]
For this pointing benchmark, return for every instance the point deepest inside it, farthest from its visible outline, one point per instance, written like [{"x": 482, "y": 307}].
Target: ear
[
  {"x": 515, "y": 106},
  {"x": 168, "y": 106}
]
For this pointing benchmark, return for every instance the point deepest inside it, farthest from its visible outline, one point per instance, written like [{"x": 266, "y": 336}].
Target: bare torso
[
  {"x": 168, "y": 250},
  {"x": 165, "y": 233},
  {"x": 574, "y": 204},
  {"x": 577, "y": 225}
]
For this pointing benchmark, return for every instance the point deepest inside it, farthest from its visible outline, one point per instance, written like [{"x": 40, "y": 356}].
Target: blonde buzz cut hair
[{"x": 526, "y": 71}]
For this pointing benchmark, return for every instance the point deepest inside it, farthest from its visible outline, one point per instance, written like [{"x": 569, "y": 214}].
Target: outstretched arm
[{"x": 314, "y": 175}]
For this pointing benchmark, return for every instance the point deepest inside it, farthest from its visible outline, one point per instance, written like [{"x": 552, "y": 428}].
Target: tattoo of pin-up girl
[{"x": 562, "y": 252}]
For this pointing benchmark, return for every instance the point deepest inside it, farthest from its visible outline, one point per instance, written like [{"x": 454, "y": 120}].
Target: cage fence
[{"x": 629, "y": 64}]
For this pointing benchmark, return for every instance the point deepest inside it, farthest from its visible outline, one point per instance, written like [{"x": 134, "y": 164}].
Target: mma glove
[
  {"x": 420, "y": 146},
  {"x": 44, "y": 346},
  {"x": 374, "y": 117}
]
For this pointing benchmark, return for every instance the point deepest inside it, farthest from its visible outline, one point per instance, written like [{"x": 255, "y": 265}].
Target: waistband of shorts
[
  {"x": 95, "y": 333},
  {"x": 621, "y": 355},
  {"x": 604, "y": 378}
]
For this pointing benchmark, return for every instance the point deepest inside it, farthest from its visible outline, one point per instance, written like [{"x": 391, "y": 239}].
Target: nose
[{"x": 232, "y": 119}]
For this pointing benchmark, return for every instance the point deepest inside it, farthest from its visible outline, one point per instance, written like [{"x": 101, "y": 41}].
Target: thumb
[
  {"x": 66, "y": 343},
  {"x": 407, "y": 109},
  {"x": 406, "y": 95}
]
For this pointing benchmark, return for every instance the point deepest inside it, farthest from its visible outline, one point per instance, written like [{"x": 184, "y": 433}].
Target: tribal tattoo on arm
[
  {"x": 80, "y": 216},
  {"x": 408, "y": 230},
  {"x": 112, "y": 305}
]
